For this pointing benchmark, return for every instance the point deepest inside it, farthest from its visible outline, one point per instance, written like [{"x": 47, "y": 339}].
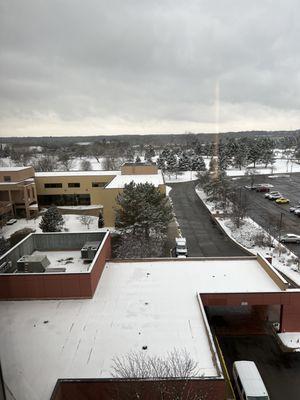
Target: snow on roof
[
  {"x": 121, "y": 180},
  {"x": 136, "y": 304},
  {"x": 12, "y": 169},
  {"x": 75, "y": 173}
]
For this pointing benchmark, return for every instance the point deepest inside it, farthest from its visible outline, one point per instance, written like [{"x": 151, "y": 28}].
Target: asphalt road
[
  {"x": 280, "y": 371},
  {"x": 268, "y": 213},
  {"x": 204, "y": 239}
]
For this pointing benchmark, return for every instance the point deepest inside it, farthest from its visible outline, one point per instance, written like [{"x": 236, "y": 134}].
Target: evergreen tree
[
  {"x": 100, "y": 220},
  {"x": 184, "y": 163},
  {"x": 198, "y": 164},
  {"x": 171, "y": 163},
  {"x": 143, "y": 210},
  {"x": 149, "y": 153},
  {"x": 161, "y": 163},
  {"x": 137, "y": 160},
  {"x": 52, "y": 220}
]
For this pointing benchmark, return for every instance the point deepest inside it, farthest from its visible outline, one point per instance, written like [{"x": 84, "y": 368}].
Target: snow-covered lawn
[
  {"x": 184, "y": 176},
  {"x": 282, "y": 258},
  {"x": 281, "y": 166},
  {"x": 72, "y": 224}
]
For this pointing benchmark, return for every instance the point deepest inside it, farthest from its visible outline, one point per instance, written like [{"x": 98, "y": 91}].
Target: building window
[
  {"x": 73, "y": 185},
  {"x": 98, "y": 184},
  {"x": 52, "y": 185},
  {"x": 7, "y": 179}
]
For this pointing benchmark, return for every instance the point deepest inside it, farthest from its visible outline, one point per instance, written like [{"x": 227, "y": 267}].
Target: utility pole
[{"x": 280, "y": 225}]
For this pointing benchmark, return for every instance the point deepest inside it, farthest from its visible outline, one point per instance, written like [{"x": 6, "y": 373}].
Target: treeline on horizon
[{"x": 151, "y": 139}]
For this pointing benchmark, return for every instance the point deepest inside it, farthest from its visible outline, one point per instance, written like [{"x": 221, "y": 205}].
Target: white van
[
  {"x": 248, "y": 382},
  {"x": 181, "y": 249}
]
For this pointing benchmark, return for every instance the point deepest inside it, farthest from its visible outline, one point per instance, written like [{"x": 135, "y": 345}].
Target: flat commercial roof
[
  {"x": 136, "y": 304},
  {"x": 75, "y": 173},
  {"x": 12, "y": 169},
  {"x": 121, "y": 180}
]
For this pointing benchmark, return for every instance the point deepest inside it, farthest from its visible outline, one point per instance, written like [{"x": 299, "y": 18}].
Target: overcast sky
[{"x": 148, "y": 66}]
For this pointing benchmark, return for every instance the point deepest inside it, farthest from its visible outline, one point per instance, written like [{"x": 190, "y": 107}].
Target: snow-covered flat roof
[
  {"x": 136, "y": 304},
  {"x": 75, "y": 173},
  {"x": 70, "y": 260},
  {"x": 12, "y": 169},
  {"x": 121, "y": 180}
]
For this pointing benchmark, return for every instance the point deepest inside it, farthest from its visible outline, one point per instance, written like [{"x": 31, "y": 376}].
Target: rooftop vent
[
  {"x": 89, "y": 250},
  {"x": 33, "y": 263}
]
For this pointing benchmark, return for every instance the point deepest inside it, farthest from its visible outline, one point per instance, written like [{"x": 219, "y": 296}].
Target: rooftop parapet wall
[
  {"x": 25, "y": 286},
  {"x": 138, "y": 169},
  {"x": 106, "y": 389},
  {"x": 16, "y": 174}
]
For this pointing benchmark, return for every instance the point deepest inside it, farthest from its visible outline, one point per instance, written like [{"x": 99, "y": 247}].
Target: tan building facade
[
  {"x": 83, "y": 188},
  {"x": 18, "y": 195}
]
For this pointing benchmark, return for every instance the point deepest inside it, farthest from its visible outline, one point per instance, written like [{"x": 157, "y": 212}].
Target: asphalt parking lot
[
  {"x": 204, "y": 239},
  {"x": 266, "y": 212},
  {"x": 280, "y": 371}
]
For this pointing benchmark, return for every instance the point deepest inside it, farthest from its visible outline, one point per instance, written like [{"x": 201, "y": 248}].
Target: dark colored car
[{"x": 262, "y": 189}]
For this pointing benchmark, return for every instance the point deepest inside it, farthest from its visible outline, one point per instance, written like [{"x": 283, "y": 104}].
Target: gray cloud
[{"x": 120, "y": 66}]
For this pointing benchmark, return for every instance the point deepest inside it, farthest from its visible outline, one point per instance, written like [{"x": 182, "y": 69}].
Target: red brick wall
[
  {"x": 290, "y": 314},
  {"x": 106, "y": 389},
  {"x": 100, "y": 264}
]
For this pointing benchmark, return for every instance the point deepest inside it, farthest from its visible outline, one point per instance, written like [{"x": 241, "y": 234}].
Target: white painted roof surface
[
  {"x": 12, "y": 169},
  {"x": 121, "y": 180},
  {"x": 82, "y": 336},
  {"x": 76, "y": 173}
]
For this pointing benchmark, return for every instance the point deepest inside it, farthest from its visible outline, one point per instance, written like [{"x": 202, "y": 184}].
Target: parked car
[
  {"x": 275, "y": 196},
  {"x": 290, "y": 238},
  {"x": 267, "y": 195},
  {"x": 297, "y": 212},
  {"x": 11, "y": 221},
  {"x": 253, "y": 187},
  {"x": 282, "y": 200},
  {"x": 263, "y": 189},
  {"x": 293, "y": 208}
]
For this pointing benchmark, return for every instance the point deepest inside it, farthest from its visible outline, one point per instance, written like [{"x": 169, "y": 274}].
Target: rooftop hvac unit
[
  {"x": 33, "y": 263},
  {"x": 89, "y": 250},
  {"x": 5, "y": 267}
]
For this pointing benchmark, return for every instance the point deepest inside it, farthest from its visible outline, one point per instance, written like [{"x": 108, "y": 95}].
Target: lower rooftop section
[{"x": 54, "y": 266}]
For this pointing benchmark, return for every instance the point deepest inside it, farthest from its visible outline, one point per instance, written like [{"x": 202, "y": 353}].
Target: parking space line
[{"x": 230, "y": 391}]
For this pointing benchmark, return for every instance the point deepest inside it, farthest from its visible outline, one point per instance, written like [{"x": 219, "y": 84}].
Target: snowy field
[
  {"x": 72, "y": 224},
  {"x": 282, "y": 258}
]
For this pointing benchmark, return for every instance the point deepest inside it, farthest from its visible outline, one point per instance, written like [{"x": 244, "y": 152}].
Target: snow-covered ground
[
  {"x": 72, "y": 224},
  {"x": 282, "y": 258},
  {"x": 183, "y": 176},
  {"x": 280, "y": 166}
]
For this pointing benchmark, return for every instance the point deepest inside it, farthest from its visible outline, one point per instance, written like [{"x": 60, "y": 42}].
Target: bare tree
[
  {"x": 65, "y": 159},
  {"x": 45, "y": 164},
  {"x": 239, "y": 205},
  {"x": 171, "y": 375},
  {"x": 86, "y": 165},
  {"x": 86, "y": 220}
]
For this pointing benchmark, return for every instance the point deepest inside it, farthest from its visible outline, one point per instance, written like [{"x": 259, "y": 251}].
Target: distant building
[
  {"x": 18, "y": 196},
  {"x": 23, "y": 190}
]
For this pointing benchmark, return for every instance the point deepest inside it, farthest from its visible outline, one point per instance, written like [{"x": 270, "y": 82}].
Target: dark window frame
[
  {"x": 53, "y": 185},
  {"x": 74, "y": 185}
]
